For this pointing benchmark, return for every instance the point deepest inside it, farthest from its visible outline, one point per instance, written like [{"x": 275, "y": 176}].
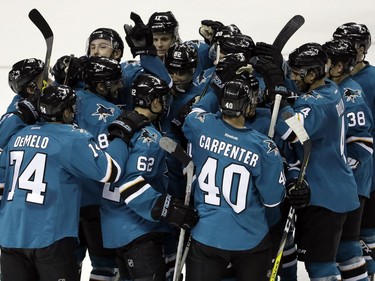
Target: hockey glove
[
  {"x": 208, "y": 29},
  {"x": 269, "y": 52},
  {"x": 139, "y": 37},
  {"x": 273, "y": 78},
  {"x": 68, "y": 70},
  {"x": 299, "y": 197},
  {"x": 174, "y": 211},
  {"x": 126, "y": 125},
  {"x": 27, "y": 111}
]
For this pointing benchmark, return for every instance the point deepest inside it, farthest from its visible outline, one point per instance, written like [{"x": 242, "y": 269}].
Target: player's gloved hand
[
  {"x": 139, "y": 37},
  {"x": 298, "y": 197},
  {"x": 273, "y": 78},
  {"x": 68, "y": 70},
  {"x": 230, "y": 67},
  {"x": 208, "y": 28},
  {"x": 269, "y": 52},
  {"x": 174, "y": 211},
  {"x": 27, "y": 111},
  {"x": 126, "y": 125}
]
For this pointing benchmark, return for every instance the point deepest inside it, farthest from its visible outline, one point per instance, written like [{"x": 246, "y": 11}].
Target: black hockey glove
[
  {"x": 274, "y": 79},
  {"x": 27, "y": 111},
  {"x": 139, "y": 37},
  {"x": 174, "y": 211},
  {"x": 298, "y": 197},
  {"x": 68, "y": 70},
  {"x": 126, "y": 125},
  {"x": 208, "y": 28},
  {"x": 269, "y": 52}
]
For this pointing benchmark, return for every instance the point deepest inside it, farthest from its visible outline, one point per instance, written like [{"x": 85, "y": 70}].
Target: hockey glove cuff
[
  {"x": 174, "y": 211},
  {"x": 126, "y": 125},
  {"x": 27, "y": 111}
]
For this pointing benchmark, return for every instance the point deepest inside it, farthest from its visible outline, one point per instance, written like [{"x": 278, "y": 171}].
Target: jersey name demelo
[
  {"x": 31, "y": 141},
  {"x": 229, "y": 150}
]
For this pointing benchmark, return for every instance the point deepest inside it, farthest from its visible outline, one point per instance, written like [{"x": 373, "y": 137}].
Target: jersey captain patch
[
  {"x": 272, "y": 148},
  {"x": 103, "y": 112}
]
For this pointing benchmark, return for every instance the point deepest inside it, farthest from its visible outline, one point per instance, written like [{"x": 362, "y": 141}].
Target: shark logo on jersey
[
  {"x": 147, "y": 137},
  {"x": 272, "y": 148},
  {"x": 351, "y": 95},
  {"x": 312, "y": 94},
  {"x": 103, "y": 112}
]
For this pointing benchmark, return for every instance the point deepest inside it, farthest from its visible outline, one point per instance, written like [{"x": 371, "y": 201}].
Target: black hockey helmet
[
  {"x": 23, "y": 74},
  {"x": 343, "y": 51},
  {"x": 107, "y": 34},
  {"x": 146, "y": 88},
  {"x": 309, "y": 57},
  {"x": 229, "y": 67},
  {"x": 237, "y": 43},
  {"x": 356, "y": 33},
  {"x": 164, "y": 22},
  {"x": 181, "y": 57},
  {"x": 101, "y": 70},
  {"x": 225, "y": 32},
  {"x": 236, "y": 96},
  {"x": 54, "y": 100}
]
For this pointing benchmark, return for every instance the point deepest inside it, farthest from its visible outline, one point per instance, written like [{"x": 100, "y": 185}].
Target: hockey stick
[
  {"x": 45, "y": 29},
  {"x": 275, "y": 112},
  {"x": 288, "y": 30},
  {"x": 304, "y": 139},
  {"x": 179, "y": 153},
  {"x": 280, "y": 41},
  {"x": 66, "y": 79}
]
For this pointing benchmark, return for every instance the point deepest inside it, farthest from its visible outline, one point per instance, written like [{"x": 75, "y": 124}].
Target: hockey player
[
  {"x": 343, "y": 56},
  {"x": 236, "y": 169},
  {"x": 25, "y": 80},
  {"x": 126, "y": 222},
  {"x": 164, "y": 28},
  {"x": 321, "y": 110},
  {"x": 165, "y": 33},
  {"x": 95, "y": 111},
  {"x": 39, "y": 172},
  {"x": 363, "y": 73}
]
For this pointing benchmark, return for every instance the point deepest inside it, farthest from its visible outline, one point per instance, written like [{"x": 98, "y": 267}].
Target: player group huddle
[{"x": 282, "y": 151}]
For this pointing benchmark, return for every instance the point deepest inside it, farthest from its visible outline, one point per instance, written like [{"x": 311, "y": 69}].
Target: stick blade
[
  {"x": 288, "y": 30},
  {"x": 175, "y": 149},
  {"x": 37, "y": 18}
]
